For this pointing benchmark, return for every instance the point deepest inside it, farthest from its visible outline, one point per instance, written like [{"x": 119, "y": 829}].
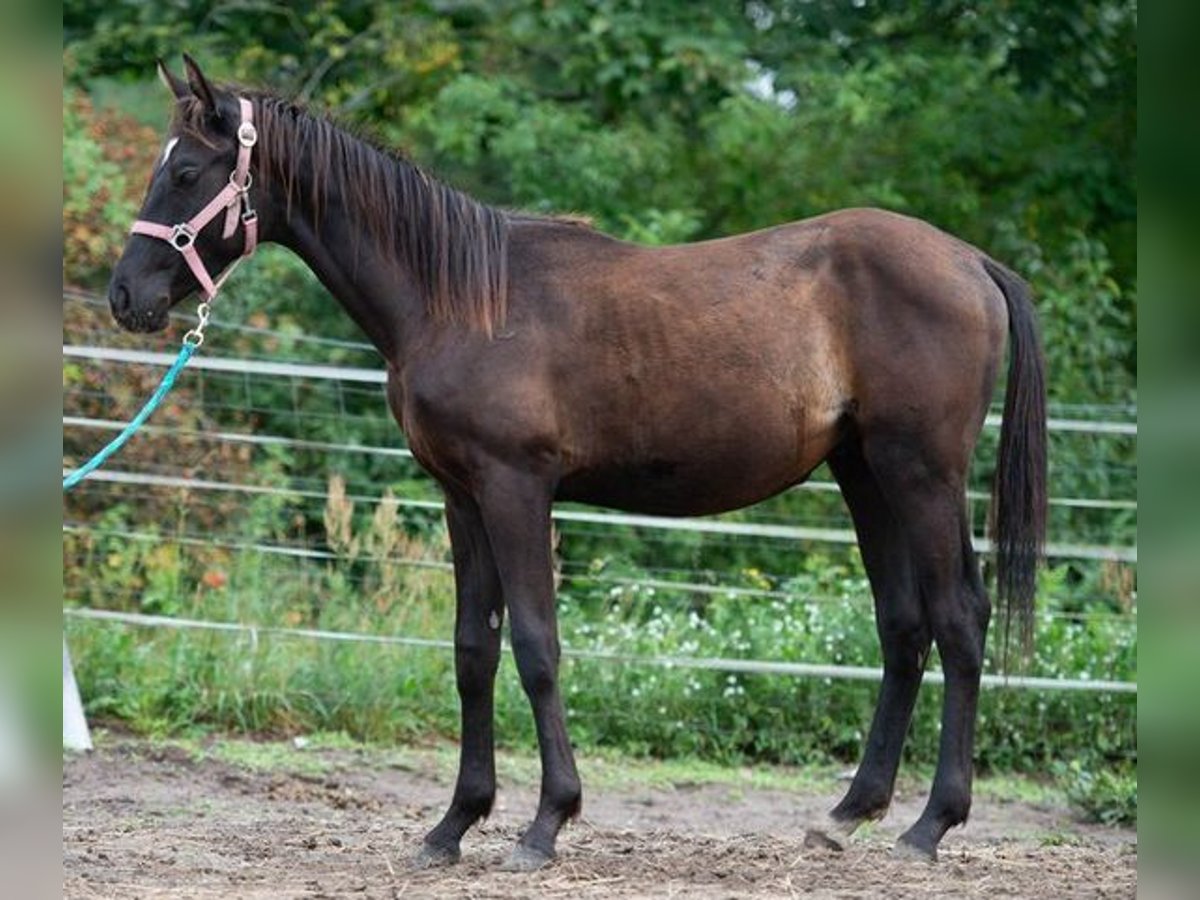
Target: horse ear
[
  {"x": 176, "y": 85},
  {"x": 200, "y": 86}
]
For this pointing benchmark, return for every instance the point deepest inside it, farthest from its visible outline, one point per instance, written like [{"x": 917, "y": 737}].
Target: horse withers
[{"x": 532, "y": 359}]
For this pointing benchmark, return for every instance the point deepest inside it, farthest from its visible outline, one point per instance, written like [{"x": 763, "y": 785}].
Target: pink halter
[{"x": 234, "y": 195}]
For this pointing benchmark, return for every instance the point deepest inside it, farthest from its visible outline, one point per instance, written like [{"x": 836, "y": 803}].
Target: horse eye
[{"x": 186, "y": 176}]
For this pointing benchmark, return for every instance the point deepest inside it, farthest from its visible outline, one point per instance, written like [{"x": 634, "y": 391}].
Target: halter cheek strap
[{"x": 233, "y": 198}]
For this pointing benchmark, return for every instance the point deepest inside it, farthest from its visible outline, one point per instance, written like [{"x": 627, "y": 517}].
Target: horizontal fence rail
[
  {"x": 571, "y": 573},
  {"x": 703, "y": 526},
  {"x": 271, "y": 440},
  {"x": 378, "y": 376},
  {"x": 742, "y": 666}
]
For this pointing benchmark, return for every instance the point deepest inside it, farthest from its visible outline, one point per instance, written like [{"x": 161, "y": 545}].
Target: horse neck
[{"x": 371, "y": 285}]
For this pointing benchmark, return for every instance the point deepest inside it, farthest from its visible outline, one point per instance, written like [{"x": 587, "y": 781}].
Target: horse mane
[{"x": 454, "y": 247}]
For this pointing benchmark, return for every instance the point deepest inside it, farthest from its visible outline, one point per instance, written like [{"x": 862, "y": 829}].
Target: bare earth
[{"x": 146, "y": 821}]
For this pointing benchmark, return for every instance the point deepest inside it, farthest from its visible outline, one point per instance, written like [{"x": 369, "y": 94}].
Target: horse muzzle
[{"x": 134, "y": 313}]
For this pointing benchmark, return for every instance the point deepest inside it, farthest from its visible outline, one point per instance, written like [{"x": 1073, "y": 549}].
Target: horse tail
[{"x": 1018, "y": 520}]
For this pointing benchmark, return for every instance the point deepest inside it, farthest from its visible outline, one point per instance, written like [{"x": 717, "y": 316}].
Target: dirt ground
[{"x": 154, "y": 821}]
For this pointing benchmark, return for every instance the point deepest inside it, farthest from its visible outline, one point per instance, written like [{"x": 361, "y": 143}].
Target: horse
[{"x": 533, "y": 359}]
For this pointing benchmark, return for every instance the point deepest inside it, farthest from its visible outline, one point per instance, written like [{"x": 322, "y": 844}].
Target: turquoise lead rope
[
  {"x": 191, "y": 343},
  {"x": 185, "y": 353}
]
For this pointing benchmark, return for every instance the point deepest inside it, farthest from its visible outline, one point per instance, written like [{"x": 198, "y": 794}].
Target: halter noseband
[{"x": 234, "y": 195}]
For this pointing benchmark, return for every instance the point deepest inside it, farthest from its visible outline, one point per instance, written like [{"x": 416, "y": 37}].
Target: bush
[
  {"x": 99, "y": 199},
  {"x": 1107, "y": 796}
]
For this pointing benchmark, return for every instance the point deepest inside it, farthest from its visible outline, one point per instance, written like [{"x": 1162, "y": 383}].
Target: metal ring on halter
[
  {"x": 247, "y": 134},
  {"x": 241, "y": 187},
  {"x": 182, "y": 237}
]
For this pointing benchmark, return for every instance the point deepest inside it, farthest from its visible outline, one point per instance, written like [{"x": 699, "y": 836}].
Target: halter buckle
[
  {"x": 182, "y": 237},
  {"x": 247, "y": 134}
]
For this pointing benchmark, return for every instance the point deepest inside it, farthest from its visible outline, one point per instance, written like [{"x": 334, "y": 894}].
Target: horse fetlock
[
  {"x": 475, "y": 788},
  {"x": 562, "y": 797},
  {"x": 474, "y": 803},
  {"x": 953, "y": 808},
  {"x": 866, "y": 801},
  {"x": 922, "y": 839},
  {"x": 445, "y": 836}
]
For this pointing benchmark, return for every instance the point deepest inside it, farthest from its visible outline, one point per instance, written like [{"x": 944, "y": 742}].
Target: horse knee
[
  {"x": 475, "y": 669},
  {"x": 960, "y": 629},
  {"x": 537, "y": 664}
]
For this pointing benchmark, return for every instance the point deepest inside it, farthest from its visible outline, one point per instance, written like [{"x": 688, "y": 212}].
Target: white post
[{"x": 75, "y": 727}]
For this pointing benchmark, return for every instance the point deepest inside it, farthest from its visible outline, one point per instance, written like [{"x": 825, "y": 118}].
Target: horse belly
[{"x": 707, "y": 474}]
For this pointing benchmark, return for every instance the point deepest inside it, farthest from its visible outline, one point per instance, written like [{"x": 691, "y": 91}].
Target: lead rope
[{"x": 191, "y": 343}]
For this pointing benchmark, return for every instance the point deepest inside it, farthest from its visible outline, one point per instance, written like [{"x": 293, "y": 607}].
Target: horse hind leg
[
  {"x": 925, "y": 489},
  {"x": 959, "y": 613},
  {"x": 904, "y": 636}
]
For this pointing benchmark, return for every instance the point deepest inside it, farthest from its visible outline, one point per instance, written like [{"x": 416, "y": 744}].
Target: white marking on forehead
[{"x": 167, "y": 152}]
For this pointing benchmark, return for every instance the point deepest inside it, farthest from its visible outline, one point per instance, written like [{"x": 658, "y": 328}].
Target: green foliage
[
  {"x": 1086, "y": 317},
  {"x": 1107, "y": 796},
  {"x": 96, "y": 201}
]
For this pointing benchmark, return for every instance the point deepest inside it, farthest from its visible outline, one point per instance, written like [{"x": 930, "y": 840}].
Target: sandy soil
[{"x": 145, "y": 821}]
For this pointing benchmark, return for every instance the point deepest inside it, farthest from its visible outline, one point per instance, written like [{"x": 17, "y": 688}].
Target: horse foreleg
[
  {"x": 479, "y": 611},
  {"x": 516, "y": 512}
]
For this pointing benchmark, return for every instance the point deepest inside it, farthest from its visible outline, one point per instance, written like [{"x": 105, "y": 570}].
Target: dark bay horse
[{"x": 533, "y": 359}]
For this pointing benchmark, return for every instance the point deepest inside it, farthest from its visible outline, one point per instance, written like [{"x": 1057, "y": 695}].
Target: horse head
[{"x": 197, "y": 201}]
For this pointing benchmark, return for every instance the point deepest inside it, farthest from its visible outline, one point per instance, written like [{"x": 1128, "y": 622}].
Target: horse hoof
[
  {"x": 526, "y": 859},
  {"x": 431, "y": 857},
  {"x": 820, "y": 839},
  {"x": 907, "y": 848}
]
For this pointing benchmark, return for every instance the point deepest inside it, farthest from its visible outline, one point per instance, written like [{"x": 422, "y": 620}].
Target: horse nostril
[{"x": 118, "y": 298}]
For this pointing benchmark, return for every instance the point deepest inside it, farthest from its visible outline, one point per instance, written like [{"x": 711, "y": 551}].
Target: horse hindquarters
[{"x": 904, "y": 469}]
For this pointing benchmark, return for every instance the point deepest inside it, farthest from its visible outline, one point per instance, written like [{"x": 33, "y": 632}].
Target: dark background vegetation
[{"x": 1010, "y": 124}]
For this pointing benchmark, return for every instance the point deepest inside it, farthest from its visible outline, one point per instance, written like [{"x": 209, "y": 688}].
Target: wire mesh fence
[{"x": 239, "y": 466}]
